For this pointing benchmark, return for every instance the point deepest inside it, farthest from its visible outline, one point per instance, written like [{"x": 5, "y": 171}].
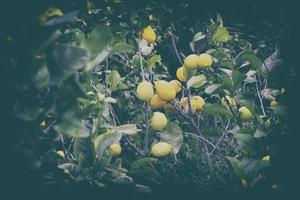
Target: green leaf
[
  {"x": 247, "y": 104},
  {"x": 260, "y": 133},
  {"x": 199, "y": 36},
  {"x": 65, "y": 60},
  {"x": 212, "y": 88},
  {"x": 129, "y": 129},
  {"x": 217, "y": 109},
  {"x": 113, "y": 78},
  {"x": 83, "y": 150},
  {"x": 235, "y": 163},
  {"x": 150, "y": 63},
  {"x": 188, "y": 73},
  {"x": 172, "y": 134},
  {"x": 196, "y": 81},
  {"x": 221, "y": 34},
  {"x": 237, "y": 78},
  {"x": 252, "y": 167},
  {"x": 121, "y": 48},
  {"x": 103, "y": 141},
  {"x": 98, "y": 40},
  {"x": 26, "y": 112},
  {"x": 254, "y": 61},
  {"x": 247, "y": 143},
  {"x": 72, "y": 127},
  {"x": 42, "y": 77}
]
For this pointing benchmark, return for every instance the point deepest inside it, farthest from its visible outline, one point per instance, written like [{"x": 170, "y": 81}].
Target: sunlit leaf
[
  {"x": 221, "y": 34},
  {"x": 196, "y": 81},
  {"x": 172, "y": 134},
  {"x": 217, "y": 109}
]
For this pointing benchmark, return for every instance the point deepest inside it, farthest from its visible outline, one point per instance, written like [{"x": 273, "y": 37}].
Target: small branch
[
  {"x": 133, "y": 146},
  {"x": 146, "y": 138},
  {"x": 221, "y": 138},
  {"x": 260, "y": 99},
  {"x": 202, "y": 138}
]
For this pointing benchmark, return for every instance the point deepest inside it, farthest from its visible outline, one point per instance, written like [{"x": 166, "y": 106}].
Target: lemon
[
  {"x": 168, "y": 107},
  {"x": 177, "y": 85},
  {"x": 185, "y": 104},
  {"x": 179, "y": 74},
  {"x": 145, "y": 91},
  {"x": 199, "y": 102},
  {"x": 274, "y": 103},
  {"x": 115, "y": 149},
  {"x": 149, "y": 34},
  {"x": 158, "y": 121},
  {"x": 245, "y": 113},
  {"x": 205, "y": 60},
  {"x": 266, "y": 158},
  {"x": 191, "y": 61},
  {"x": 165, "y": 90},
  {"x": 61, "y": 154},
  {"x": 161, "y": 149},
  {"x": 157, "y": 102},
  {"x": 230, "y": 100}
]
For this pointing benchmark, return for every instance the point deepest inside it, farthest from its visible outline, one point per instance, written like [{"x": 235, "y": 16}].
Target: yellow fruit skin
[
  {"x": 161, "y": 149},
  {"x": 245, "y": 113},
  {"x": 266, "y": 158},
  {"x": 180, "y": 75},
  {"x": 115, "y": 149},
  {"x": 185, "y": 104},
  {"x": 158, "y": 121},
  {"x": 165, "y": 90},
  {"x": 157, "y": 102},
  {"x": 149, "y": 34},
  {"x": 191, "y": 61},
  {"x": 168, "y": 106},
  {"x": 230, "y": 100},
  {"x": 177, "y": 85},
  {"x": 145, "y": 91},
  {"x": 205, "y": 60},
  {"x": 61, "y": 153},
  {"x": 274, "y": 103},
  {"x": 199, "y": 101}
]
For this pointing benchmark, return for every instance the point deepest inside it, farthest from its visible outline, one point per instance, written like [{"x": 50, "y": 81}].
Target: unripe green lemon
[
  {"x": 157, "y": 102},
  {"x": 158, "y": 121},
  {"x": 165, "y": 90},
  {"x": 149, "y": 34},
  {"x": 145, "y": 91},
  {"x": 191, "y": 61},
  {"x": 245, "y": 113},
  {"x": 205, "y": 60},
  {"x": 177, "y": 85},
  {"x": 179, "y": 74},
  {"x": 199, "y": 102},
  {"x": 115, "y": 149},
  {"x": 161, "y": 149}
]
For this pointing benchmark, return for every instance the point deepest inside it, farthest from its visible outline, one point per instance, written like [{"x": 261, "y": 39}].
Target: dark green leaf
[{"x": 217, "y": 109}]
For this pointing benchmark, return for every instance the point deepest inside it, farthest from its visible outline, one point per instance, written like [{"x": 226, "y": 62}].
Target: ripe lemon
[
  {"x": 191, "y": 61},
  {"x": 158, "y": 121},
  {"x": 245, "y": 113},
  {"x": 205, "y": 60},
  {"x": 61, "y": 154},
  {"x": 157, "y": 102},
  {"x": 145, "y": 91},
  {"x": 199, "y": 102},
  {"x": 177, "y": 85},
  {"x": 274, "y": 103},
  {"x": 230, "y": 100},
  {"x": 185, "y": 104},
  {"x": 179, "y": 74},
  {"x": 115, "y": 149},
  {"x": 149, "y": 34},
  {"x": 161, "y": 149},
  {"x": 266, "y": 158},
  {"x": 165, "y": 90}
]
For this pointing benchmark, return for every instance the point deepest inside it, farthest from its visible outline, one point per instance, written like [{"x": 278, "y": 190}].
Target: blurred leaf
[
  {"x": 26, "y": 112},
  {"x": 65, "y": 60},
  {"x": 83, "y": 150},
  {"x": 150, "y": 63},
  {"x": 212, "y": 88},
  {"x": 196, "y": 81},
  {"x": 279, "y": 110},
  {"x": 235, "y": 163},
  {"x": 70, "y": 168},
  {"x": 199, "y": 36},
  {"x": 42, "y": 77},
  {"x": 247, "y": 104},
  {"x": 188, "y": 73},
  {"x": 121, "y": 48},
  {"x": 237, "y": 78},
  {"x": 221, "y": 34},
  {"x": 129, "y": 129},
  {"x": 247, "y": 143},
  {"x": 260, "y": 133},
  {"x": 172, "y": 134},
  {"x": 217, "y": 109},
  {"x": 252, "y": 167},
  {"x": 72, "y": 127},
  {"x": 251, "y": 57},
  {"x": 62, "y": 19}
]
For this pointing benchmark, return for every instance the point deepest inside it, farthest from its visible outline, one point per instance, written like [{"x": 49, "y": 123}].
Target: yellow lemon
[
  {"x": 245, "y": 113},
  {"x": 185, "y": 104},
  {"x": 180, "y": 75},
  {"x": 158, "y": 121},
  {"x": 205, "y": 60},
  {"x": 145, "y": 91},
  {"x": 266, "y": 158},
  {"x": 191, "y": 61},
  {"x": 168, "y": 106},
  {"x": 199, "y": 102},
  {"x": 165, "y": 90},
  {"x": 115, "y": 149},
  {"x": 157, "y": 102},
  {"x": 61, "y": 154},
  {"x": 161, "y": 149},
  {"x": 274, "y": 103},
  {"x": 149, "y": 34},
  {"x": 230, "y": 100},
  {"x": 177, "y": 85}
]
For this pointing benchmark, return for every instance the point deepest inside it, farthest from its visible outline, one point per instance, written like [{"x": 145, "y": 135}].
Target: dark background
[{"x": 17, "y": 18}]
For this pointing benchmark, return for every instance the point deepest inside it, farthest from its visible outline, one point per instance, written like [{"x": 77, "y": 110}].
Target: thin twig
[
  {"x": 221, "y": 138},
  {"x": 260, "y": 99},
  {"x": 146, "y": 138}
]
